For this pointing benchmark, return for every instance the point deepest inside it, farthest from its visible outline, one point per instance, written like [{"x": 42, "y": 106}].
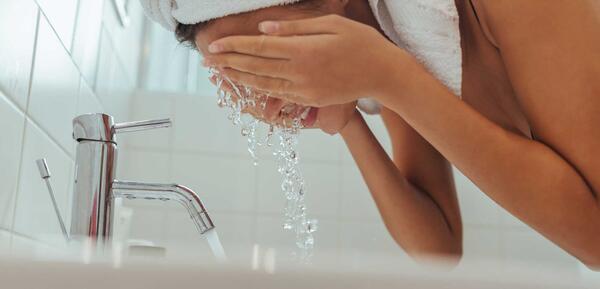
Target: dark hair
[{"x": 186, "y": 33}]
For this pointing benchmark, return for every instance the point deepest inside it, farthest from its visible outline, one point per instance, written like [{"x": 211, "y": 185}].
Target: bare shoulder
[
  {"x": 511, "y": 19},
  {"x": 551, "y": 51}
]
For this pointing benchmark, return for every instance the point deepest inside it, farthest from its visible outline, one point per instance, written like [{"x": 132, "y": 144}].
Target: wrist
[
  {"x": 353, "y": 124},
  {"x": 399, "y": 74}
]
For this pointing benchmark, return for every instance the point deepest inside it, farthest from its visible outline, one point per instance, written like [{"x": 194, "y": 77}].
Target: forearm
[
  {"x": 525, "y": 177},
  {"x": 412, "y": 217}
]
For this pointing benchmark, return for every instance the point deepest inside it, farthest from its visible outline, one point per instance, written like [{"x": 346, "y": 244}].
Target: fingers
[
  {"x": 225, "y": 86},
  {"x": 273, "y": 109},
  {"x": 274, "y": 85},
  {"x": 278, "y": 89},
  {"x": 276, "y": 68},
  {"x": 329, "y": 24},
  {"x": 260, "y": 45}
]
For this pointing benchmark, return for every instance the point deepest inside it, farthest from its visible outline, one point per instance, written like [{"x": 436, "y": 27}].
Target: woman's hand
[
  {"x": 315, "y": 62},
  {"x": 270, "y": 113},
  {"x": 331, "y": 119},
  {"x": 334, "y": 118}
]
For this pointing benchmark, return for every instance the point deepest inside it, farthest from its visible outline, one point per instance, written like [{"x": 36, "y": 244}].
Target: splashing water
[{"x": 242, "y": 99}]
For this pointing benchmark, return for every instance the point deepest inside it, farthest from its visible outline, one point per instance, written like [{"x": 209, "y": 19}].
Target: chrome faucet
[{"x": 96, "y": 188}]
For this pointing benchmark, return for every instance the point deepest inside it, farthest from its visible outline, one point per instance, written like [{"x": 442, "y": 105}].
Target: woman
[{"x": 524, "y": 127}]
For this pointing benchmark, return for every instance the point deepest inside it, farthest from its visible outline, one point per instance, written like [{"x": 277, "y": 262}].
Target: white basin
[{"x": 266, "y": 269}]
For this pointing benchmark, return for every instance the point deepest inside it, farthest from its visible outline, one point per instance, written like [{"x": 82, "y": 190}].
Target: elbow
[
  {"x": 589, "y": 255},
  {"x": 593, "y": 266},
  {"x": 432, "y": 249},
  {"x": 449, "y": 260},
  {"x": 592, "y": 262},
  {"x": 447, "y": 255}
]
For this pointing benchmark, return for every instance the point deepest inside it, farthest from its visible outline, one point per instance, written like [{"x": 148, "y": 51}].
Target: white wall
[{"x": 58, "y": 59}]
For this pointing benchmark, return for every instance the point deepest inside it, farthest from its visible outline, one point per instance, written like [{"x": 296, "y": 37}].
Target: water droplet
[
  {"x": 312, "y": 225},
  {"x": 245, "y": 131},
  {"x": 221, "y": 102}
]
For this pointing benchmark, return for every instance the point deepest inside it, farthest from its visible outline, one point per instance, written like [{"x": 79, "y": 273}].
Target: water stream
[
  {"x": 241, "y": 99},
  {"x": 215, "y": 245}
]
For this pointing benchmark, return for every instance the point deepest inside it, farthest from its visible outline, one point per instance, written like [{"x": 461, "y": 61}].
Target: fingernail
[
  {"x": 215, "y": 48},
  {"x": 268, "y": 27}
]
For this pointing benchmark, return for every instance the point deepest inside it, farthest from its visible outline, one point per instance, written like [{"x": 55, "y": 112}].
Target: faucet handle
[
  {"x": 101, "y": 127},
  {"x": 141, "y": 125}
]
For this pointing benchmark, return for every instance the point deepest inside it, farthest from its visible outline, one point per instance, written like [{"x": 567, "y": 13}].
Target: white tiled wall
[
  {"x": 53, "y": 66},
  {"x": 62, "y": 14},
  {"x": 86, "y": 43},
  {"x": 18, "y": 24},
  {"x": 55, "y": 84},
  {"x": 10, "y": 146}
]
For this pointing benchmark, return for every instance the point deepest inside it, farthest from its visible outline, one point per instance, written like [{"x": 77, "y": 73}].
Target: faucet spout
[{"x": 167, "y": 192}]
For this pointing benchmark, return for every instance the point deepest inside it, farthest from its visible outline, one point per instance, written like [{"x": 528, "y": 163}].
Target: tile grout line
[
  {"x": 41, "y": 15},
  {"x": 12, "y": 102},
  {"x": 120, "y": 63},
  {"x": 48, "y": 135},
  {"x": 24, "y": 130},
  {"x": 62, "y": 43},
  {"x": 101, "y": 41},
  {"x": 97, "y": 57},
  {"x": 75, "y": 26},
  {"x": 142, "y": 65},
  {"x": 70, "y": 51}
]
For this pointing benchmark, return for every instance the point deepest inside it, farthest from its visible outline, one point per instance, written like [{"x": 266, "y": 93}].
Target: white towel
[
  {"x": 169, "y": 13},
  {"x": 429, "y": 30}
]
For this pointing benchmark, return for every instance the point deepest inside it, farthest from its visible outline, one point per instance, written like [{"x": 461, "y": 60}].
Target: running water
[
  {"x": 242, "y": 99},
  {"x": 215, "y": 245}
]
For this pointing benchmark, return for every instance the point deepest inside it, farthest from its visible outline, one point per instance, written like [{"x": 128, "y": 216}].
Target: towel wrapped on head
[
  {"x": 169, "y": 13},
  {"x": 428, "y": 29}
]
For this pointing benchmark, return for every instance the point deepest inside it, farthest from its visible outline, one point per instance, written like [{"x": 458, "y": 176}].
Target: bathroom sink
[{"x": 265, "y": 270}]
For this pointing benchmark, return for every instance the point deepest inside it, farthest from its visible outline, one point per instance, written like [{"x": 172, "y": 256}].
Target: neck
[{"x": 360, "y": 10}]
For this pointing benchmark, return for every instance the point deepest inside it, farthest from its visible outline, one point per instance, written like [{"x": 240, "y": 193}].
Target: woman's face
[{"x": 330, "y": 119}]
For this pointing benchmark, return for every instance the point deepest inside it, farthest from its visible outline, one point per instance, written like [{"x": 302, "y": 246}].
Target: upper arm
[
  {"x": 421, "y": 164},
  {"x": 551, "y": 50}
]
